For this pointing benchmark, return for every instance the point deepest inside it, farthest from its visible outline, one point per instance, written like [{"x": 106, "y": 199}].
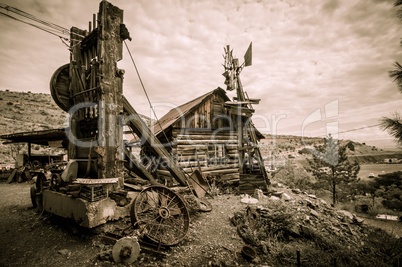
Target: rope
[{"x": 146, "y": 94}]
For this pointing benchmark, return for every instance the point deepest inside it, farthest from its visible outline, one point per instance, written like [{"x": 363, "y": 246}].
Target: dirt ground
[{"x": 30, "y": 238}]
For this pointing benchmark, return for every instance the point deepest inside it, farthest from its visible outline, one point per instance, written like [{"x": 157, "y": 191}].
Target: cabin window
[{"x": 216, "y": 154}]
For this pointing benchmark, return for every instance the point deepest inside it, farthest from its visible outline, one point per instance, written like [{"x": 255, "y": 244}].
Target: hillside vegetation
[
  {"x": 26, "y": 112},
  {"x": 277, "y": 150}
]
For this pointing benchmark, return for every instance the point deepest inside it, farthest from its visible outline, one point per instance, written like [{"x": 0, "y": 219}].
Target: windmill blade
[{"x": 248, "y": 57}]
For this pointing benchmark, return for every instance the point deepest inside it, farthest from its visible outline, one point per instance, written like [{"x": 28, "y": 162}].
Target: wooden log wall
[{"x": 192, "y": 150}]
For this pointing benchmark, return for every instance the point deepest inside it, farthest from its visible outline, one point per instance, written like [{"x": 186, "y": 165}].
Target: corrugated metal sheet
[{"x": 36, "y": 137}]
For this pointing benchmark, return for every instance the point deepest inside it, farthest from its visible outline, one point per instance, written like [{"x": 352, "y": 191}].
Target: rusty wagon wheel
[{"x": 161, "y": 215}]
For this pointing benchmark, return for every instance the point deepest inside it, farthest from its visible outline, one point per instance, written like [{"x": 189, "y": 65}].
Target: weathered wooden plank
[
  {"x": 204, "y": 171},
  {"x": 12, "y": 176},
  {"x": 239, "y": 103},
  {"x": 236, "y": 170},
  {"x": 201, "y": 147},
  {"x": 187, "y": 164},
  {"x": 135, "y": 166},
  {"x": 205, "y": 137},
  {"x": 141, "y": 129},
  {"x": 191, "y": 131},
  {"x": 206, "y": 142},
  {"x": 213, "y": 168},
  {"x": 191, "y": 157}
]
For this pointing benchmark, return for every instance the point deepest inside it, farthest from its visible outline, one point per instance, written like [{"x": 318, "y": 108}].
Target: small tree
[{"x": 334, "y": 158}]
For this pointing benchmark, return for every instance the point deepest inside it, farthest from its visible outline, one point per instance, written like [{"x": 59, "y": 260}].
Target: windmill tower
[{"x": 251, "y": 166}]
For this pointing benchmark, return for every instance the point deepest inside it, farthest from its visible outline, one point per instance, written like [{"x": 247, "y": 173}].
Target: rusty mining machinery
[{"x": 90, "y": 89}]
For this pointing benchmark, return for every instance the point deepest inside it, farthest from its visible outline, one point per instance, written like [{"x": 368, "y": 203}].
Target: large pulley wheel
[
  {"x": 161, "y": 215},
  {"x": 59, "y": 86}
]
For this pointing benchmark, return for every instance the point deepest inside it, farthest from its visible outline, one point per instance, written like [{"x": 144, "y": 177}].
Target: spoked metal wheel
[{"x": 161, "y": 215}]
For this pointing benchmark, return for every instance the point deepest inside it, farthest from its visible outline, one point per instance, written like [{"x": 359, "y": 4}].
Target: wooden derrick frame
[{"x": 96, "y": 82}]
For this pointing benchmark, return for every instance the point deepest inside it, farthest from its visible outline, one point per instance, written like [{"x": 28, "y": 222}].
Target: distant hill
[
  {"x": 277, "y": 150},
  {"x": 26, "y": 112}
]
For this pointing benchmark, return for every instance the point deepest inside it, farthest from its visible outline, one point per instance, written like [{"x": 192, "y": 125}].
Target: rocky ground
[{"x": 275, "y": 227}]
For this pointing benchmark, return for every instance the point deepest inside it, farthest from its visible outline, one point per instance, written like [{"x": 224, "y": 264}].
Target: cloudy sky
[{"x": 318, "y": 66}]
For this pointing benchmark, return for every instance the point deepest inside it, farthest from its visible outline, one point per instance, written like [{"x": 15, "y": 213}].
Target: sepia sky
[{"x": 318, "y": 66}]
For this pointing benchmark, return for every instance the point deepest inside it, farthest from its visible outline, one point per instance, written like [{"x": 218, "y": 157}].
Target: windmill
[{"x": 251, "y": 165}]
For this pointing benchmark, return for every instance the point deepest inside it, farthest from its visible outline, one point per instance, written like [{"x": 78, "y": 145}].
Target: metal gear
[{"x": 126, "y": 250}]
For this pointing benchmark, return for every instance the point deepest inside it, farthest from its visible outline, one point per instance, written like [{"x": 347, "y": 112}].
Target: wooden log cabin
[{"x": 202, "y": 134}]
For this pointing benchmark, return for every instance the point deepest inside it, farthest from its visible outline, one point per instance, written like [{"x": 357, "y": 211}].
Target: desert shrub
[
  {"x": 394, "y": 204},
  {"x": 304, "y": 151},
  {"x": 351, "y": 146},
  {"x": 10, "y": 103},
  {"x": 383, "y": 249},
  {"x": 294, "y": 177},
  {"x": 389, "y": 186}
]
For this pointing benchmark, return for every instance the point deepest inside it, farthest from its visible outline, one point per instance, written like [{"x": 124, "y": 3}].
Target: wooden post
[
  {"x": 109, "y": 52},
  {"x": 240, "y": 128},
  {"x": 29, "y": 152},
  {"x": 96, "y": 55},
  {"x": 240, "y": 142}
]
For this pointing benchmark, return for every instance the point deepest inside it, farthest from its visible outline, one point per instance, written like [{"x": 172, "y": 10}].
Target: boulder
[
  {"x": 274, "y": 198},
  {"x": 358, "y": 220},
  {"x": 307, "y": 231},
  {"x": 296, "y": 191},
  {"x": 249, "y": 200},
  {"x": 310, "y": 204},
  {"x": 312, "y": 196},
  {"x": 286, "y": 197},
  {"x": 346, "y": 214},
  {"x": 314, "y": 213},
  {"x": 258, "y": 194}
]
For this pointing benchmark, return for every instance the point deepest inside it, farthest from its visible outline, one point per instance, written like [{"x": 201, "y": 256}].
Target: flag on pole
[{"x": 248, "y": 57}]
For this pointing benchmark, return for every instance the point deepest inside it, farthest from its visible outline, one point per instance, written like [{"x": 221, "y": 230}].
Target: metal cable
[
  {"x": 32, "y": 17},
  {"x": 146, "y": 94},
  {"x": 36, "y": 26}
]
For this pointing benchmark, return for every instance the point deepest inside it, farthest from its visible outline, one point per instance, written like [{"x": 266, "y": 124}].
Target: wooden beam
[
  {"x": 254, "y": 101},
  {"x": 141, "y": 129}
]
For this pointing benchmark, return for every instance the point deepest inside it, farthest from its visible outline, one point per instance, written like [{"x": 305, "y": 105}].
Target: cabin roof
[{"x": 176, "y": 113}]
